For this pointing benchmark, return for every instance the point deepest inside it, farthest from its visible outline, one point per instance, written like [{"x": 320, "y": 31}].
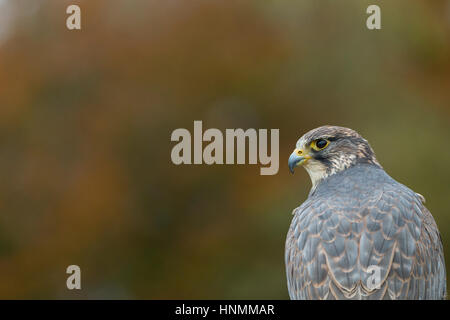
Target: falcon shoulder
[{"x": 337, "y": 239}]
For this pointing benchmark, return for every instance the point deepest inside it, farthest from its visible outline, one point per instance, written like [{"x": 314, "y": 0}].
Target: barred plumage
[{"x": 357, "y": 220}]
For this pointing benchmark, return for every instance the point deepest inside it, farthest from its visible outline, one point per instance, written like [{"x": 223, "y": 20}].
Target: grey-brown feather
[{"x": 356, "y": 219}]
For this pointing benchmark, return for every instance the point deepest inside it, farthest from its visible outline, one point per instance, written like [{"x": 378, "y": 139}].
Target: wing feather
[{"x": 334, "y": 241}]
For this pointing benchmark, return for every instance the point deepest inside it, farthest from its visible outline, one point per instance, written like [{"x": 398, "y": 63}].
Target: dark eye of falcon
[{"x": 320, "y": 144}]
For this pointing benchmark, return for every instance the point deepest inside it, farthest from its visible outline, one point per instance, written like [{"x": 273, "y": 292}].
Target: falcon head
[{"x": 330, "y": 149}]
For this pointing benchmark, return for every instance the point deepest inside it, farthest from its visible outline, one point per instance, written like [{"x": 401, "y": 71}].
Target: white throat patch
[{"x": 316, "y": 170}]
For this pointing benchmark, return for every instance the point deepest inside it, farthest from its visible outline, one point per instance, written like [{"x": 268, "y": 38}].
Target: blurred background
[{"x": 86, "y": 118}]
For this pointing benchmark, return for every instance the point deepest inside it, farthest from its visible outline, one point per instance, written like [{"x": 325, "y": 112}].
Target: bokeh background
[{"x": 86, "y": 118}]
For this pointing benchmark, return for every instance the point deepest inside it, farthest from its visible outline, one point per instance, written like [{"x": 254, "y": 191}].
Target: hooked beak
[{"x": 297, "y": 158}]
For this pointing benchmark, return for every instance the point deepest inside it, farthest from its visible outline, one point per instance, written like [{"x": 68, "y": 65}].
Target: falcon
[{"x": 360, "y": 234}]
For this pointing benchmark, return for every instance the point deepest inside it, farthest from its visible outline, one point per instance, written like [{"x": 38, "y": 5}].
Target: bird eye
[{"x": 320, "y": 144}]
